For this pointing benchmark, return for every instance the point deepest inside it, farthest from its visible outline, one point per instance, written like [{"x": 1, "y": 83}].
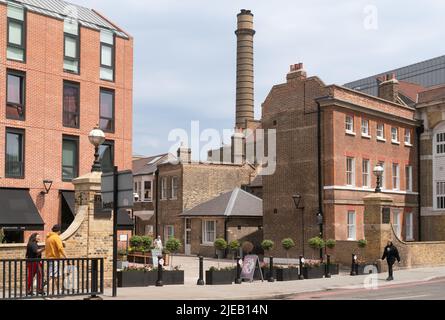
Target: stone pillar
[
  {"x": 94, "y": 237},
  {"x": 377, "y": 224}
]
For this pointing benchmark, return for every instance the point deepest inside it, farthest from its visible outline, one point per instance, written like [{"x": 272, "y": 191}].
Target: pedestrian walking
[
  {"x": 54, "y": 249},
  {"x": 391, "y": 254},
  {"x": 33, "y": 265}
]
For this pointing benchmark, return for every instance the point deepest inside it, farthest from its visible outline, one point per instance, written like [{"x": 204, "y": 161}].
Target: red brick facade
[
  {"x": 293, "y": 109},
  {"x": 44, "y": 99}
]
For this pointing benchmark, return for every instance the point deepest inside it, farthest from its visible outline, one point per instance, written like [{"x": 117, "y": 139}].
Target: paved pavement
[{"x": 279, "y": 290}]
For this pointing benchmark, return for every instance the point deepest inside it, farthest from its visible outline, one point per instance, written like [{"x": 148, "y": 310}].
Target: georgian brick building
[
  {"x": 64, "y": 69},
  {"x": 329, "y": 139}
]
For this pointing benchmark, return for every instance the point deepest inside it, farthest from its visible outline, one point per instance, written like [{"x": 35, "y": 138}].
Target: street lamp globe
[
  {"x": 378, "y": 172},
  {"x": 96, "y": 137}
]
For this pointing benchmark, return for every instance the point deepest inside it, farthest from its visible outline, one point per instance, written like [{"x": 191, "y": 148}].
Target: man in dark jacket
[{"x": 391, "y": 254}]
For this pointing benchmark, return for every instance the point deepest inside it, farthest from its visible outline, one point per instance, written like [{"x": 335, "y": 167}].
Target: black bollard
[
  {"x": 328, "y": 266},
  {"x": 201, "y": 272},
  {"x": 300, "y": 276},
  {"x": 159, "y": 282},
  {"x": 238, "y": 271},
  {"x": 271, "y": 278},
  {"x": 353, "y": 267}
]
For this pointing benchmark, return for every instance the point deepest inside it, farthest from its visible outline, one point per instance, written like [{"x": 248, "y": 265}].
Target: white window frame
[
  {"x": 365, "y": 129},
  {"x": 380, "y": 132},
  {"x": 169, "y": 232},
  {"x": 396, "y": 223},
  {"x": 395, "y": 131},
  {"x": 408, "y": 137},
  {"x": 439, "y": 193},
  {"x": 351, "y": 172},
  {"x": 174, "y": 188},
  {"x": 382, "y": 178},
  {"x": 349, "y": 124},
  {"x": 352, "y": 225},
  {"x": 395, "y": 176},
  {"x": 409, "y": 178},
  {"x": 164, "y": 188},
  {"x": 409, "y": 226},
  {"x": 438, "y": 159},
  {"x": 150, "y": 198},
  {"x": 205, "y": 239},
  {"x": 366, "y": 173}
]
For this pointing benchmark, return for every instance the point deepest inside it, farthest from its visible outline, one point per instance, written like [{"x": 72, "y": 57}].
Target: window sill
[
  {"x": 350, "y": 133},
  {"x": 395, "y": 142},
  {"x": 351, "y": 239},
  {"x": 366, "y": 136},
  {"x": 408, "y": 144},
  {"x": 207, "y": 244},
  {"x": 381, "y": 139}
]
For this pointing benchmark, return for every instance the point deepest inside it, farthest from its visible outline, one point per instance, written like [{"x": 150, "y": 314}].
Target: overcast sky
[{"x": 185, "y": 51}]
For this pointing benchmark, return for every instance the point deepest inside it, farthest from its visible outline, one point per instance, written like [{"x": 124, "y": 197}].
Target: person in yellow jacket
[{"x": 54, "y": 249}]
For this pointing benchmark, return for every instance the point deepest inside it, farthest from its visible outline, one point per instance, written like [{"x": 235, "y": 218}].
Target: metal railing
[{"x": 51, "y": 278}]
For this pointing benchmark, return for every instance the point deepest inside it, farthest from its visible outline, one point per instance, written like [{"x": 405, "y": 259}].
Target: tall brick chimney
[
  {"x": 244, "y": 69},
  {"x": 184, "y": 154},
  {"x": 388, "y": 87}
]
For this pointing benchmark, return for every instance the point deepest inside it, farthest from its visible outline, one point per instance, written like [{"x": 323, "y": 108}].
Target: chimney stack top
[
  {"x": 244, "y": 11},
  {"x": 296, "y": 72}
]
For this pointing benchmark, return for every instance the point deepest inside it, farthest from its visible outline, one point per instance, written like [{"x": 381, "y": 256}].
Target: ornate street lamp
[
  {"x": 378, "y": 172},
  {"x": 96, "y": 137}
]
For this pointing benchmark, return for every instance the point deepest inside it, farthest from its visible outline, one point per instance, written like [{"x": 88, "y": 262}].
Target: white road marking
[{"x": 407, "y": 297}]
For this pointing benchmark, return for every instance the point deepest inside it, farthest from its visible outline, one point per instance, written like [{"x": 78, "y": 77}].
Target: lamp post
[
  {"x": 96, "y": 137},
  {"x": 378, "y": 172},
  {"x": 297, "y": 200},
  {"x": 320, "y": 224}
]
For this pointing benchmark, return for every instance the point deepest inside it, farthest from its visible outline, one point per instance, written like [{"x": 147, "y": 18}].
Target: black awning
[
  {"x": 68, "y": 196},
  {"x": 18, "y": 211},
  {"x": 124, "y": 221}
]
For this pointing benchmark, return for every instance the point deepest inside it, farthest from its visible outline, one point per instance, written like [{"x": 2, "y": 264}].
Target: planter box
[
  {"x": 313, "y": 272},
  {"x": 287, "y": 274},
  {"x": 144, "y": 279},
  {"x": 220, "y": 277},
  {"x": 266, "y": 274},
  {"x": 131, "y": 279}
]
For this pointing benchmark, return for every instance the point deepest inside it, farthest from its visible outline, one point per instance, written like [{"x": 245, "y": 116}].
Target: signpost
[
  {"x": 249, "y": 264},
  {"x": 117, "y": 193}
]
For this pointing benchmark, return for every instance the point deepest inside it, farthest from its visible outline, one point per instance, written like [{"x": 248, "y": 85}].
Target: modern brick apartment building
[
  {"x": 65, "y": 69},
  {"x": 329, "y": 139}
]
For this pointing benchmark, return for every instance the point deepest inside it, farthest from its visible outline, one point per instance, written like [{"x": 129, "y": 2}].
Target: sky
[{"x": 185, "y": 52}]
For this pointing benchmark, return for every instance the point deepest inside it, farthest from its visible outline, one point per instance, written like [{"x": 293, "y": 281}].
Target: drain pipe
[
  {"x": 157, "y": 202},
  {"x": 419, "y": 131},
  {"x": 320, "y": 172}
]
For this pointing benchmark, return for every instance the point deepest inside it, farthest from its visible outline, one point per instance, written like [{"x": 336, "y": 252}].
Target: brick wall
[{"x": 44, "y": 94}]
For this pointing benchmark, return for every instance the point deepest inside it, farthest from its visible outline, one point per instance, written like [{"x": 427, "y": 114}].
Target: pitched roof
[
  {"x": 60, "y": 9},
  {"x": 148, "y": 165},
  {"x": 410, "y": 90},
  {"x": 235, "y": 203}
]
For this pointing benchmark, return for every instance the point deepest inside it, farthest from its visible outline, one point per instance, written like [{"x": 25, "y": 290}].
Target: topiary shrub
[
  {"x": 173, "y": 245},
  {"x": 267, "y": 245},
  {"x": 316, "y": 243},
  {"x": 220, "y": 244},
  {"x": 330, "y": 243},
  {"x": 136, "y": 241},
  {"x": 287, "y": 244},
  {"x": 146, "y": 243},
  {"x": 362, "y": 243},
  {"x": 234, "y": 245}
]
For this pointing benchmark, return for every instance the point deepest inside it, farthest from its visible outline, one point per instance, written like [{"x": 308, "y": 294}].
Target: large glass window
[
  {"x": 164, "y": 189},
  {"x": 208, "y": 231},
  {"x": 365, "y": 128},
  {"x": 395, "y": 135},
  {"x": 106, "y": 156},
  {"x": 409, "y": 178},
  {"x": 407, "y": 137},
  {"x": 14, "y": 164},
  {"x": 409, "y": 232},
  {"x": 15, "y": 95},
  {"x": 107, "y": 110},
  {"x": 147, "y": 191},
  {"x": 349, "y": 124},
  {"x": 350, "y": 172},
  {"x": 395, "y": 176},
  {"x": 380, "y": 131},
  {"x": 70, "y": 158},
  {"x": 169, "y": 232},
  {"x": 352, "y": 228},
  {"x": 396, "y": 223},
  {"x": 71, "y": 57},
  {"x": 71, "y": 104},
  {"x": 366, "y": 173},
  {"x": 174, "y": 187},
  {"x": 16, "y": 33},
  {"x": 107, "y": 55}
]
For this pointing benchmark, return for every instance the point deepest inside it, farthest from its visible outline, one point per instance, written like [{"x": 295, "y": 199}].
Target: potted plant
[
  {"x": 146, "y": 243},
  {"x": 287, "y": 244},
  {"x": 173, "y": 245},
  {"x": 136, "y": 243},
  {"x": 316, "y": 244},
  {"x": 132, "y": 276},
  {"x": 234, "y": 248},
  {"x": 333, "y": 267},
  {"x": 216, "y": 276},
  {"x": 220, "y": 246},
  {"x": 267, "y": 245},
  {"x": 313, "y": 269}
]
